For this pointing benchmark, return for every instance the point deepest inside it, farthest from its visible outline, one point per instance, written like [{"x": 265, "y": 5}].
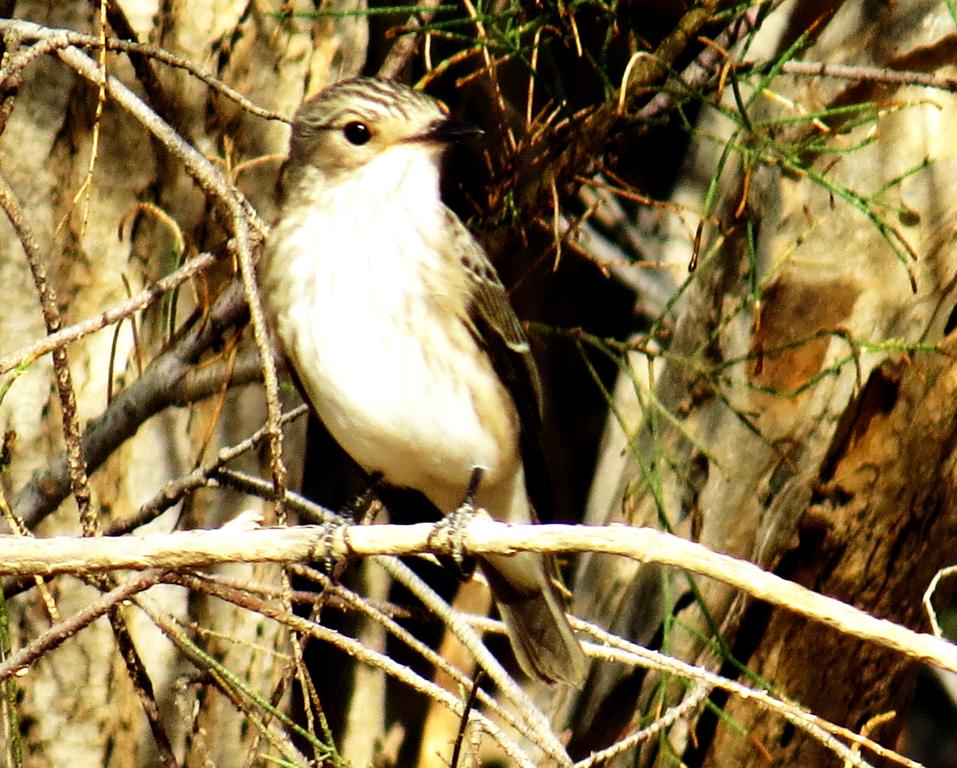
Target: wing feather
[{"x": 498, "y": 331}]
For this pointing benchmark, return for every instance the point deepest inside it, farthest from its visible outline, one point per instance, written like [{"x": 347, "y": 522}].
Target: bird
[{"x": 402, "y": 337}]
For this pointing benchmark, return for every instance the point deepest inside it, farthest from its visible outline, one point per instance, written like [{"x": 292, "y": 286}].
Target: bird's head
[{"x": 353, "y": 123}]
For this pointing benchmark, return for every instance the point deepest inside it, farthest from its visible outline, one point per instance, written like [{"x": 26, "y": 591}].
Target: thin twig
[
  {"x": 140, "y": 301},
  {"x": 240, "y": 215},
  {"x": 704, "y": 67},
  {"x": 175, "y": 490},
  {"x": 51, "y": 40},
  {"x": 246, "y": 700},
  {"x": 881, "y": 75},
  {"x": 238, "y": 211},
  {"x": 209, "y": 177},
  {"x": 617, "y": 649},
  {"x": 143, "y": 686},
  {"x": 536, "y": 725},
  {"x": 143, "y": 66},
  {"x": 437, "y": 606},
  {"x": 102, "y": 605},
  {"x": 79, "y": 481},
  {"x": 403, "y": 49},
  {"x": 464, "y": 721},
  {"x": 270, "y": 378},
  {"x": 692, "y": 700}
]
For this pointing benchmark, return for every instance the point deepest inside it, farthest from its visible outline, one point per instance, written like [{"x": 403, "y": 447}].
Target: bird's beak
[{"x": 450, "y": 131}]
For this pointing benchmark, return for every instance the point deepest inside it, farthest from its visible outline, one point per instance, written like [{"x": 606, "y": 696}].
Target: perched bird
[{"x": 402, "y": 337}]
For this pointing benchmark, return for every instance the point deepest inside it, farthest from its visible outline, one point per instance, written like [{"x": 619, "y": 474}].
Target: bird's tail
[{"x": 540, "y": 634}]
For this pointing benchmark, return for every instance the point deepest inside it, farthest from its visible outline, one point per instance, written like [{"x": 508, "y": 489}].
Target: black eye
[{"x": 357, "y": 133}]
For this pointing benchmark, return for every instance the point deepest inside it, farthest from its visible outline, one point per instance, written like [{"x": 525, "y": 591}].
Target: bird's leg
[
  {"x": 448, "y": 531},
  {"x": 468, "y": 503},
  {"x": 358, "y": 504}
]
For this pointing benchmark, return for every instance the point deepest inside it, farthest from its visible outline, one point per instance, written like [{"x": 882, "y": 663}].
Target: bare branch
[
  {"x": 882, "y": 75},
  {"x": 353, "y": 648},
  {"x": 403, "y": 49},
  {"x": 192, "y": 549},
  {"x": 241, "y": 216},
  {"x": 177, "y": 489},
  {"x": 535, "y": 719},
  {"x": 614, "y": 648}
]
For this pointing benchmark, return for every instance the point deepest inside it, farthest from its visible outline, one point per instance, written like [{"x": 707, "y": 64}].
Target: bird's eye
[{"x": 357, "y": 133}]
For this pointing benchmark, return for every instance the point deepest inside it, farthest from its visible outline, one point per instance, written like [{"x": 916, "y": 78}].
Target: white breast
[{"x": 372, "y": 323}]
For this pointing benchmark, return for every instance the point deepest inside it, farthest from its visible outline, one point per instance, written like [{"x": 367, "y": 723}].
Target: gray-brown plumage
[{"x": 403, "y": 338}]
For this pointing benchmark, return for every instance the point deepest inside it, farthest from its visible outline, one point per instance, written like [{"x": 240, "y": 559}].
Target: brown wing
[{"x": 499, "y": 332}]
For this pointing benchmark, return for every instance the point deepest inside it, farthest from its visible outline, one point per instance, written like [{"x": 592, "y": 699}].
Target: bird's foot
[
  {"x": 446, "y": 539},
  {"x": 448, "y": 533},
  {"x": 354, "y": 511}
]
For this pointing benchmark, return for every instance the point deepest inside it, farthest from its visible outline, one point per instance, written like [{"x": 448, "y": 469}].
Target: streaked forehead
[{"x": 364, "y": 99}]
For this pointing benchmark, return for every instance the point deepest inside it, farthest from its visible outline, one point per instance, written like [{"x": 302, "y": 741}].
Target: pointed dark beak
[{"x": 450, "y": 131}]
